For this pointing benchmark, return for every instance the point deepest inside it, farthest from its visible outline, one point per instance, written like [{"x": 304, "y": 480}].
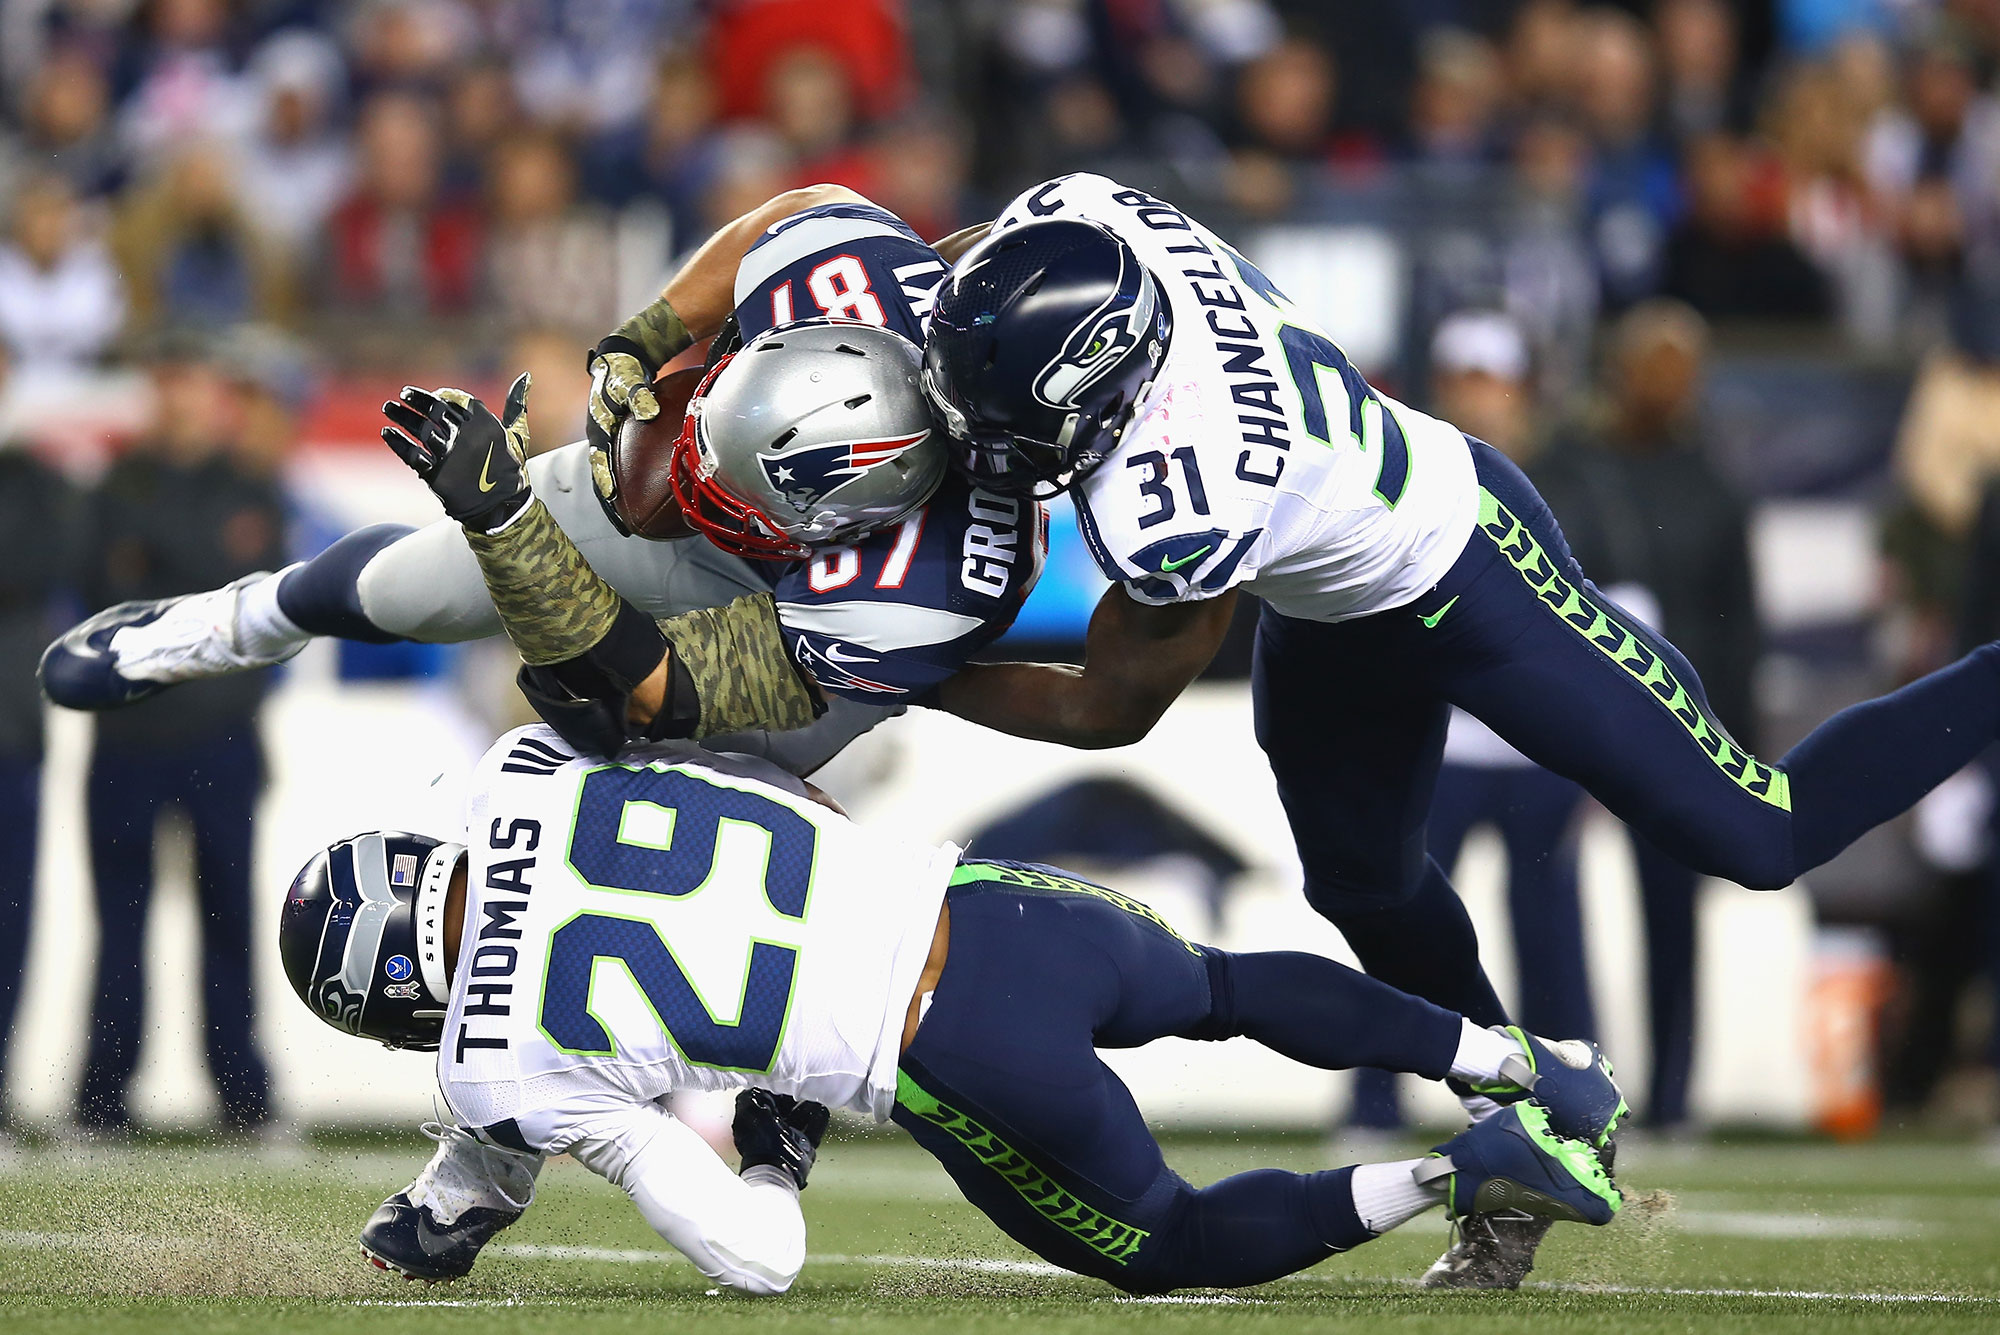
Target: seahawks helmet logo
[
  {"x": 805, "y": 477},
  {"x": 339, "y": 1005},
  {"x": 1099, "y": 346}
]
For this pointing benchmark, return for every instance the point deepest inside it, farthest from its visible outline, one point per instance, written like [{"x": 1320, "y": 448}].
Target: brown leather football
[{"x": 640, "y": 455}]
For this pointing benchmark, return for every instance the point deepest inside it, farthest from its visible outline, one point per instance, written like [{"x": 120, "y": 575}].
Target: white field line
[
  {"x": 1803, "y": 1295},
  {"x": 1674, "y": 1291},
  {"x": 536, "y": 1251},
  {"x": 1773, "y": 1224},
  {"x": 989, "y": 1265},
  {"x": 48, "y": 1241},
  {"x": 441, "y": 1302}
]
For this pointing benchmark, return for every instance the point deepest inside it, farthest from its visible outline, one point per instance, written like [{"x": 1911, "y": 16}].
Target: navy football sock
[
  {"x": 323, "y": 596},
  {"x": 1320, "y": 1012},
  {"x": 1872, "y": 761}
]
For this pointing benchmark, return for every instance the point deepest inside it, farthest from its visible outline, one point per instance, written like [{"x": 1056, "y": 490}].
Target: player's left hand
[
  {"x": 473, "y": 462},
  {"x": 779, "y": 1131}
]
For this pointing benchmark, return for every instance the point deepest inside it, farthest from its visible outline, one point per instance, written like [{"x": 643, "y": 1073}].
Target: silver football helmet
[{"x": 814, "y": 433}]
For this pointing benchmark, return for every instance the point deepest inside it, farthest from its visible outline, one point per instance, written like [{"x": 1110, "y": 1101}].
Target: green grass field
[{"x": 1739, "y": 1237}]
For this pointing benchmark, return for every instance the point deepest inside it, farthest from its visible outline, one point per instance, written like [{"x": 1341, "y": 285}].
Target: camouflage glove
[
  {"x": 778, "y": 1131},
  {"x": 622, "y": 367},
  {"x": 740, "y": 668},
  {"x": 473, "y": 462}
]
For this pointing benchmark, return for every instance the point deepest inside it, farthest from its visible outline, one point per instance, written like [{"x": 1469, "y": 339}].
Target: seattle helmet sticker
[
  {"x": 398, "y": 967},
  {"x": 1098, "y": 346}
]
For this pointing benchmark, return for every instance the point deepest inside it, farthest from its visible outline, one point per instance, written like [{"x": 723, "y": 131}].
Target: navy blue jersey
[
  {"x": 896, "y": 613},
  {"x": 848, "y": 261}
]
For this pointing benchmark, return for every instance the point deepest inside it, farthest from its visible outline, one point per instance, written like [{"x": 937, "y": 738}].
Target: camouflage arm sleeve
[
  {"x": 556, "y": 608},
  {"x": 742, "y": 672},
  {"x": 553, "y": 605},
  {"x": 658, "y": 331}
]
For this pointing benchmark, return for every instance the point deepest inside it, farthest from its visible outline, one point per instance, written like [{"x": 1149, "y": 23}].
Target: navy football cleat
[
  {"x": 1513, "y": 1162},
  {"x": 1571, "y": 1079},
  {"x": 408, "y": 1240},
  {"x": 175, "y": 640}
]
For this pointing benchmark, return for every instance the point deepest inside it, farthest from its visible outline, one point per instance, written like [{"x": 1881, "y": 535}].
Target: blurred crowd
[{"x": 1829, "y": 162}]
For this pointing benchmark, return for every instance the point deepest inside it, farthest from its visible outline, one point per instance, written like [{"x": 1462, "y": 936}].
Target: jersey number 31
[{"x": 676, "y": 856}]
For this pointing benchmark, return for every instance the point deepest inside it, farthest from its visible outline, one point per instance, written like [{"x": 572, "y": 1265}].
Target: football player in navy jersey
[{"x": 874, "y": 614}]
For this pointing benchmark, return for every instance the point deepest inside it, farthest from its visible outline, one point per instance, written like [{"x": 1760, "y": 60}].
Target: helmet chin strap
[{"x": 429, "y": 917}]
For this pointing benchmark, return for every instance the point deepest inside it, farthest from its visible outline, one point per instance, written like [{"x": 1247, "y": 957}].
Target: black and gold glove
[{"x": 473, "y": 462}]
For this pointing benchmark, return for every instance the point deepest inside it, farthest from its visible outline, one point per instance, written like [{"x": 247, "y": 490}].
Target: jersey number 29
[{"x": 686, "y": 817}]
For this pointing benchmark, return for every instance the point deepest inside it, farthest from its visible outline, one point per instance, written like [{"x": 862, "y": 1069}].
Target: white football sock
[
  {"x": 1480, "y": 1052},
  {"x": 1387, "y": 1195},
  {"x": 262, "y": 628}
]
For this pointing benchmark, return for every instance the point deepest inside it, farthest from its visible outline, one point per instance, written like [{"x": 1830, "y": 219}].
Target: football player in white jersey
[
  {"x": 1099, "y": 341},
  {"x": 612, "y": 931}
]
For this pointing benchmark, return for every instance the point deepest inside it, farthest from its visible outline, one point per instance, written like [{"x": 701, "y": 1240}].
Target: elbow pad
[{"x": 740, "y": 669}]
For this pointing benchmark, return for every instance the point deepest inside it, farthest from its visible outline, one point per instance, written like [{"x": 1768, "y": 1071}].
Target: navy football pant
[
  {"x": 1004, "y": 1086},
  {"x": 1352, "y": 716},
  {"x": 1534, "y": 811},
  {"x": 215, "y": 782}
]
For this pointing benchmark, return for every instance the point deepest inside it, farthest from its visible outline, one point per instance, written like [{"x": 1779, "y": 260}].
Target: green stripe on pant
[
  {"x": 1610, "y": 638},
  {"x": 1100, "y": 1232},
  {"x": 972, "y": 871}
]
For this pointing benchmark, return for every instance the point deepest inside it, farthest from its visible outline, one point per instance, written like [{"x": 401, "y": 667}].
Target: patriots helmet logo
[{"x": 807, "y": 476}]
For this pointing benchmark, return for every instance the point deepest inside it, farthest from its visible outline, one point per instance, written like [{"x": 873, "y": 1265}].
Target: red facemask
[{"x": 725, "y": 519}]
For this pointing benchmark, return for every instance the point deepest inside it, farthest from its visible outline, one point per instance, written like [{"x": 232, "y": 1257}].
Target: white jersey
[
  {"x": 1260, "y": 457},
  {"x": 676, "y": 920}
]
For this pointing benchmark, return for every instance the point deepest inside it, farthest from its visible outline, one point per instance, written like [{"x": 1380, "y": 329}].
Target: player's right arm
[
  {"x": 744, "y": 1232},
  {"x": 1138, "y": 658}
]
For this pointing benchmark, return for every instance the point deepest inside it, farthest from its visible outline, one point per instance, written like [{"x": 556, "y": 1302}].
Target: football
[{"x": 640, "y": 456}]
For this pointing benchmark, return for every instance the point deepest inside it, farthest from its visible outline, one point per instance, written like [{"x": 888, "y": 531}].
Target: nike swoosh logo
[
  {"x": 838, "y": 653},
  {"x": 1430, "y": 622},
  {"x": 1169, "y": 567},
  {"x": 486, "y": 482}
]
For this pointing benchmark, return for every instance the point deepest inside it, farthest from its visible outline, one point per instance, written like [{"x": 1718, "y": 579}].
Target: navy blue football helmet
[
  {"x": 362, "y": 936},
  {"x": 1044, "y": 338}
]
